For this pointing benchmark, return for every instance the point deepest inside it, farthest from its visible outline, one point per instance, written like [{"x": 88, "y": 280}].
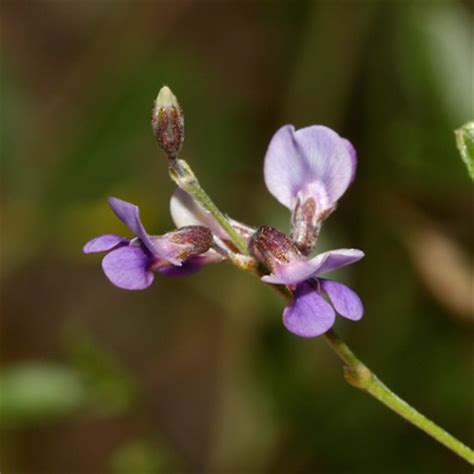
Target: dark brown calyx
[
  {"x": 194, "y": 240},
  {"x": 270, "y": 246}
]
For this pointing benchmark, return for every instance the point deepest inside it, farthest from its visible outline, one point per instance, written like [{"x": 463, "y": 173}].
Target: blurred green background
[{"x": 198, "y": 374}]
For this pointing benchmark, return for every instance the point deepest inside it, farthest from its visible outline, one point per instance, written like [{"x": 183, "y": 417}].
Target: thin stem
[
  {"x": 360, "y": 376},
  {"x": 182, "y": 174},
  {"x": 203, "y": 198}
]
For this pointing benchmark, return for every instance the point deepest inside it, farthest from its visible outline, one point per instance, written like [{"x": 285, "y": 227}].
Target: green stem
[
  {"x": 360, "y": 376},
  {"x": 203, "y": 198},
  {"x": 182, "y": 174}
]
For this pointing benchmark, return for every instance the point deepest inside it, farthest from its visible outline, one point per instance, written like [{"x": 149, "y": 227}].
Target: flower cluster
[{"x": 306, "y": 170}]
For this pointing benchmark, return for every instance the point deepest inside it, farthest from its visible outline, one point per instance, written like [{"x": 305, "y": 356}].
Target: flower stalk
[{"x": 360, "y": 376}]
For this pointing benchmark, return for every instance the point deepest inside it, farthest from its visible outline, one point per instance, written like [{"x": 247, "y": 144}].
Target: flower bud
[
  {"x": 167, "y": 121},
  {"x": 272, "y": 247}
]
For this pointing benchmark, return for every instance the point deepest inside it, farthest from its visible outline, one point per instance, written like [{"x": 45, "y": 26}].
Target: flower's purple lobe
[
  {"x": 308, "y": 170},
  {"x": 313, "y": 161},
  {"x": 127, "y": 268},
  {"x": 129, "y": 214},
  {"x": 131, "y": 263},
  {"x": 104, "y": 243},
  {"x": 308, "y": 315},
  {"x": 345, "y": 301}
]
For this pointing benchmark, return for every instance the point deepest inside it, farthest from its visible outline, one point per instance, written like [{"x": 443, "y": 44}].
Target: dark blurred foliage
[{"x": 198, "y": 374}]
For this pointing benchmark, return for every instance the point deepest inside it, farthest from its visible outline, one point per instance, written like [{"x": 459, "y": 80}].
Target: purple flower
[
  {"x": 308, "y": 314},
  {"x": 131, "y": 263},
  {"x": 307, "y": 171}
]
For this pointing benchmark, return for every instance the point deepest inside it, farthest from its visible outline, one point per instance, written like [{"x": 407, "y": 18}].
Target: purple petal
[
  {"x": 104, "y": 243},
  {"x": 327, "y": 158},
  {"x": 334, "y": 259},
  {"x": 284, "y": 169},
  {"x": 298, "y": 271},
  {"x": 308, "y": 315},
  {"x": 315, "y": 157},
  {"x": 193, "y": 264},
  {"x": 127, "y": 268},
  {"x": 129, "y": 214},
  {"x": 189, "y": 267},
  {"x": 345, "y": 301},
  {"x": 292, "y": 273},
  {"x": 353, "y": 155},
  {"x": 166, "y": 250}
]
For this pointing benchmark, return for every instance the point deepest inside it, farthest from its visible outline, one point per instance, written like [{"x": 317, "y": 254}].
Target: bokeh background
[{"x": 198, "y": 374}]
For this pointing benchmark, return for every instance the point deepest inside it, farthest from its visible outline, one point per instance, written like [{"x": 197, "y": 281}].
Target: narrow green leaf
[{"x": 465, "y": 144}]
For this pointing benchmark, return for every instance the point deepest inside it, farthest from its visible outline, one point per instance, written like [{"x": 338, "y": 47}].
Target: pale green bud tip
[
  {"x": 165, "y": 99},
  {"x": 465, "y": 143},
  {"x": 167, "y": 120}
]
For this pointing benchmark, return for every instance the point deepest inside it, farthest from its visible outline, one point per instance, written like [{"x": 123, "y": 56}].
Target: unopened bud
[{"x": 167, "y": 121}]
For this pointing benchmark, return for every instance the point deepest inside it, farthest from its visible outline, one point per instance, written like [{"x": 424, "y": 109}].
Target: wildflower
[
  {"x": 131, "y": 263},
  {"x": 308, "y": 314},
  {"x": 307, "y": 171}
]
